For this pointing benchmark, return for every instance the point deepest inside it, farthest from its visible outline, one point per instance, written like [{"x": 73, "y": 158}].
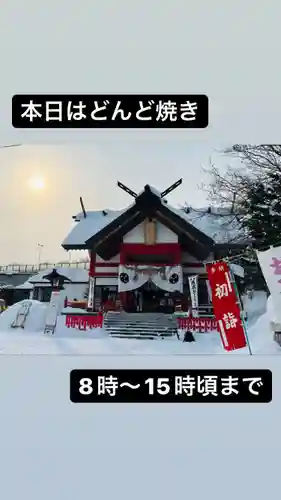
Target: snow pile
[
  {"x": 31, "y": 339},
  {"x": 63, "y": 332},
  {"x": 35, "y": 320},
  {"x": 270, "y": 310},
  {"x": 255, "y": 305},
  {"x": 259, "y": 331},
  {"x": 261, "y": 337}
]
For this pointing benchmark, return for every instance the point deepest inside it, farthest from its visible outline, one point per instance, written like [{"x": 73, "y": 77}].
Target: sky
[
  {"x": 33, "y": 217},
  {"x": 127, "y": 47},
  {"x": 227, "y": 50}
]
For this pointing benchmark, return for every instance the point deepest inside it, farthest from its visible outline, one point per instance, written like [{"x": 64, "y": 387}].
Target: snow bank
[
  {"x": 31, "y": 339},
  {"x": 270, "y": 310},
  {"x": 35, "y": 320},
  {"x": 63, "y": 332},
  {"x": 261, "y": 337},
  {"x": 259, "y": 331},
  {"x": 256, "y": 305}
]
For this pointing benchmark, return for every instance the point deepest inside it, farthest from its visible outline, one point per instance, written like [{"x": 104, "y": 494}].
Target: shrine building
[{"x": 141, "y": 257}]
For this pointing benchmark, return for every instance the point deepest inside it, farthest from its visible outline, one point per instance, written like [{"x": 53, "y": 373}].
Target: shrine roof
[{"x": 104, "y": 229}]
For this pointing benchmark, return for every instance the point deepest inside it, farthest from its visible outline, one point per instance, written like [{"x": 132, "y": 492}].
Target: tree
[
  {"x": 252, "y": 190},
  {"x": 263, "y": 209}
]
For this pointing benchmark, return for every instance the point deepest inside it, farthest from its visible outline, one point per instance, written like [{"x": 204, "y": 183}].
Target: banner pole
[{"x": 240, "y": 306}]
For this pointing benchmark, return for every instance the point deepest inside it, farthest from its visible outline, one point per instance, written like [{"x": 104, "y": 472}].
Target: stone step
[
  {"x": 135, "y": 336},
  {"x": 144, "y": 326},
  {"x": 140, "y": 320},
  {"x": 132, "y": 322},
  {"x": 140, "y": 316},
  {"x": 140, "y": 335},
  {"x": 156, "y": 331},
  {"x": 140, "y": 325}
]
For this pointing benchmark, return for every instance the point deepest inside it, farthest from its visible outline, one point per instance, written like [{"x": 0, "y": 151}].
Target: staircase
[{"x": 140, "y": 325}]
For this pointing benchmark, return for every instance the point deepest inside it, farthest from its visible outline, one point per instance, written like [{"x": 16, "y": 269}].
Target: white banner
[
  {"x": 170, "y": 279},
  {"x": 193, "y": 286},
  {"x": 270, "y": 262}
]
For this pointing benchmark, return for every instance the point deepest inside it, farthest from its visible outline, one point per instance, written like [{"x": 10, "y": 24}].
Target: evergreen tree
[{"x": 263, "y": 210}]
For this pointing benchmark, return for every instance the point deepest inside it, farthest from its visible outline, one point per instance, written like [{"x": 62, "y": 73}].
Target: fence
[
  {"x": 197, "y": 324},
  {"x": 84, "y": 321}
]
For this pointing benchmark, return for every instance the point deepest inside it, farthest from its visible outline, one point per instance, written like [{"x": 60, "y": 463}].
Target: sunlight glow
[{"x": 36, "y": 183}]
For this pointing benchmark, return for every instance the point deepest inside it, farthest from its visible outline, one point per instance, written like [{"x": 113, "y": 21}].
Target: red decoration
[
  {"x": 84, "y": 321},
  {"x": 226, "y": 306},
  {"x": 200, "y": 325},
  {"x": 173, "y": 250}
]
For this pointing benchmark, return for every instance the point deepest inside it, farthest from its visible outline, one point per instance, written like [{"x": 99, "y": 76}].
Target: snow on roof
[
  {"x": 219, "y": 225},
  {"x": 74, "y": 274},
  {"x": 95, "y": 221},
  {"x": 25, "y": 286},
  {"x": 152, "y": 189}
]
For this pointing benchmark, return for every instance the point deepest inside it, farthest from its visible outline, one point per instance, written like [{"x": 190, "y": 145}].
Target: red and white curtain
[
  {"x": 170, "y": 280},
  {"x": 130, "y": 279},
  {"x": 167, "y": 278}
]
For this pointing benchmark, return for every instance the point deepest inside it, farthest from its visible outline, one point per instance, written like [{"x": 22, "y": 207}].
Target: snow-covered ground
[{"x": 66, "y": 341}]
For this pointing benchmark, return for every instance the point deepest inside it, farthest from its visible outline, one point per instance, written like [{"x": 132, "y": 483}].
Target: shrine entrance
[{"x": 149, "y": 298}]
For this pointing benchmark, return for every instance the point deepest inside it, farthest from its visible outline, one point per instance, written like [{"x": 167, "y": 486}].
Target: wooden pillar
[
  {"x": 91, "y": 296},
  {"x": 122, "y": 255},
  {"x": 92, "y": 263},
  {"x": 150, "y": 236}
]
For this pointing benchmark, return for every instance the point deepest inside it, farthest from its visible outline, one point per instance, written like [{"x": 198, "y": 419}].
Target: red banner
[{"x": 226, "y": 306}]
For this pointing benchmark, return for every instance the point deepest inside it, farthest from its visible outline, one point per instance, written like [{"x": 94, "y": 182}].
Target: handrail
[{"x": 35, "y": 268}]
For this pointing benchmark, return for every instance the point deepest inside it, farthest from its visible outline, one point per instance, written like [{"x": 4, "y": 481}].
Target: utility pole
[{"x": 40, "y": 248}]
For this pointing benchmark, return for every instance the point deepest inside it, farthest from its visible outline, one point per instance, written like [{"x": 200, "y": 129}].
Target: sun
[{"x": 36, "y": 183}]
